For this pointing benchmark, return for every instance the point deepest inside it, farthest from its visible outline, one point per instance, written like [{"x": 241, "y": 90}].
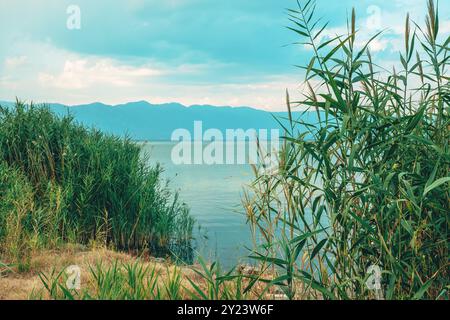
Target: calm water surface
[{"x": 213, "y": 193}]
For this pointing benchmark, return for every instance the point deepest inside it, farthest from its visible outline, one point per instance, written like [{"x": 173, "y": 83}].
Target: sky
[{"x": 234, "y": 52}]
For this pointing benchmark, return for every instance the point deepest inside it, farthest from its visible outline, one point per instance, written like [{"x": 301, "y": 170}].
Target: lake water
[{"x": 213, "y": 193}]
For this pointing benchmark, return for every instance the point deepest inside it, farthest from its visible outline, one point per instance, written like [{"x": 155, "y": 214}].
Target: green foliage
[
  {"x": 119, "y": 281},
  {"x": 15, "y": 213},
  {"x": 137, "y": 281},
  {"x": 62, "y": 182},
  {"x": 368, "y": 183},
  {"x": 221, "y": 286}
]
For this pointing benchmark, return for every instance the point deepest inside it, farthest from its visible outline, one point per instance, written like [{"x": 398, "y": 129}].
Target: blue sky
[{"x": 190, "y": 51}]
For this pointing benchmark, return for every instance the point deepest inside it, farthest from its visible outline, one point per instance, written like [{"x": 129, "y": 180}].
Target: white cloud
[
  {"x": 40, "y": 71},
  {"x": 391, "y": 21},
  {"x": 15, "y": 62},
  {"x": 56, "y": 75},
  {"x": 85, "y": 73}
]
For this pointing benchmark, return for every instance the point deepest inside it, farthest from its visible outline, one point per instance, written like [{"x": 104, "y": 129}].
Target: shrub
[{"x": 87, "y": 186}]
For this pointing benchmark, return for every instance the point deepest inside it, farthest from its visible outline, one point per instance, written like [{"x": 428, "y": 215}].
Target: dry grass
[
  {"x": 15, "y": 285},
  {"x": 23, "y": 285}
]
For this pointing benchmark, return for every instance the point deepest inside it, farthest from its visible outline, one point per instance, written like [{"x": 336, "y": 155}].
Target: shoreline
[{"x": 55, "y": 264}]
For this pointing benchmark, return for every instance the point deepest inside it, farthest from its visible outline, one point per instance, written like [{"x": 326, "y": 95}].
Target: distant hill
[{"x": 144, "y": 121}]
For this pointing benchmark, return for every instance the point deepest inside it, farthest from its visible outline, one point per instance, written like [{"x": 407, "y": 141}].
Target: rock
[
  {"x": 247, "y": 270},
  {"x": 159, "y": 260}
]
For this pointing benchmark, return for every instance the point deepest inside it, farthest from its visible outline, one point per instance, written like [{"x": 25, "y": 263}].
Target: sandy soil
[{"x": 16, "y": 285}]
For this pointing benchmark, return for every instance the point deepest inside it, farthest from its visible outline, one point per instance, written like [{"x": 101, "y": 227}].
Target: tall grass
[
  {"x": 368, "y": 184},
  {"x": 16, "y": 202},
  {"x": 61, "y": 182}
]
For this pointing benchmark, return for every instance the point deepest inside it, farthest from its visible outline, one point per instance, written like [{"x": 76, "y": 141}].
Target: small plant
[
  {"x": 142, "y": 281},
  {"x": 118, "y": 281},
  {"x": 218, "y": 286},
  {"x": 5, "y": 269}
]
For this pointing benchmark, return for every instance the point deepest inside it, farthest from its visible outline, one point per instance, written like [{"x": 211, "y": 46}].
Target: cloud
[
  {"x": 56, "y": 75},
  {"x": 15, "y": 62},
  {"x": 192, "y": 51},
  {"x": 80, "y": 74},
  {"x": 389, "y": 19}
]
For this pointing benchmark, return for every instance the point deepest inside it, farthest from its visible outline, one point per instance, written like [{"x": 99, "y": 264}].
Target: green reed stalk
[{"x": 367, "y": 185}]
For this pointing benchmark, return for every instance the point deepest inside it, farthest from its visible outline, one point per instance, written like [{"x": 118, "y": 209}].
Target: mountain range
[{"x": 145, "y": 121}]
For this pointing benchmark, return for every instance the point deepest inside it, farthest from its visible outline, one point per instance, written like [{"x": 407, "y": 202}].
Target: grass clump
[
  {"x": 140, "y": 280},
  {"x": 61, "y": 182},
  {"x": 368, "y": 184}
]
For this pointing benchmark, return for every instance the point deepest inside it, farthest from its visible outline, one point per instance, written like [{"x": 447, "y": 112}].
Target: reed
[
  {"x": 61, "y": 182},
  {"x": 367, "y": 185}
]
